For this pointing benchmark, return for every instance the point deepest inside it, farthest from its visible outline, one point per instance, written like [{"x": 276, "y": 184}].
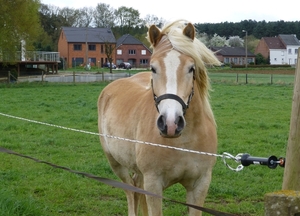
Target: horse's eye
[
  {"x": 192, "y": 70},
  {"x": 153, "y": 70}
]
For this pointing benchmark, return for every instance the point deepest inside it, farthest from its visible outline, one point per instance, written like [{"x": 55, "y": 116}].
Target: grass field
[{"x": 251, "y": 118}]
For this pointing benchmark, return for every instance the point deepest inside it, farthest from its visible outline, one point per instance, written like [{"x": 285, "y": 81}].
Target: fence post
[
  {"x": 73, "y": 76},
  {"x": 291, "y": 178},
  {"x": 8, "y": 78},
  {"x": 287, "y": 201},
  {"x": 271, "y": 79}
]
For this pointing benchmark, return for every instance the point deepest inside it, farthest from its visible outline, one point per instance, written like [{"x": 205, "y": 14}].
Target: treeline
[{"x": 258, "y": 29}]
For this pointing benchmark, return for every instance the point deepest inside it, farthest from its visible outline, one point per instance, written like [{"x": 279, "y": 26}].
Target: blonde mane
[{"x": 175, "y": 39}]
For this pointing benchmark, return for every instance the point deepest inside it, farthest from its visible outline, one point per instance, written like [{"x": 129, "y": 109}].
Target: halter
[{"x": 173, "y": 97}]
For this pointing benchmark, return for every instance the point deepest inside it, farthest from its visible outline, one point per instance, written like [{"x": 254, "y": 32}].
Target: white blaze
[
  {"x": 171, "y": 108},
  {"x": 172, "y": 62}
]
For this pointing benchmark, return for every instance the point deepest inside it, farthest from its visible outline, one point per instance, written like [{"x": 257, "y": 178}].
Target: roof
[
  {"x": 289, "y": 39},
  {"x": 90, "y": 35},
  {"x": 232, "y": 51},
  {"x": 128, "y": 40},
  {"x": 274, "y": 43}
]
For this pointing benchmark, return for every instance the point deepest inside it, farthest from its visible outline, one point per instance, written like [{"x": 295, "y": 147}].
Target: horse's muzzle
[{"x": 170, "y": 128}]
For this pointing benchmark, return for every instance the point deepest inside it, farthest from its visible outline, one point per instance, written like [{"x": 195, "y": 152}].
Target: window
[
  {"x": 119, "y": 52},
  {"x": 92, "y": 47},
  {"x": 102, "y": 50},
  {"x": 143, "y": 61},
  {"x": 77, "y": 61},
  {"x": 290, "y": 51},
  {"x": 92, "y": 61},
  {"x": 131, "y": 52},
  {"x": 143, "y": 52},
  {"x": 275, "y": 59},
  {"x": 77, "y": 46},
  {"x": 282, "y": 53},
  {"x": 296, "y": 51}
]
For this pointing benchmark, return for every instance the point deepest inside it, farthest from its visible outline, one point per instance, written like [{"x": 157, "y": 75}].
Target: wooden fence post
[
  {"x": 291, "y": 179},
  {"x": 287, "y": 201}
]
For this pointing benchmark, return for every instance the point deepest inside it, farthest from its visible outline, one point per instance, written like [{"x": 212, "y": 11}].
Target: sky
[{"x": 197, "y": 11}]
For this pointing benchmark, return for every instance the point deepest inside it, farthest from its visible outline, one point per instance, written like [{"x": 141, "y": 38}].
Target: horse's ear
[
  {"x": 154, "y": 35},
  {"x": 189, "y": 31}
]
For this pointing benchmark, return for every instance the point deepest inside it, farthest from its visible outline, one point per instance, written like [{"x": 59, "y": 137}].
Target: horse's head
[{"x": 173, "y": 74}]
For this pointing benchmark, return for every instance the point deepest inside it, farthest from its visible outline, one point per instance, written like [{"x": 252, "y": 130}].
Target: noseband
[{"x": 173, "y": 97}]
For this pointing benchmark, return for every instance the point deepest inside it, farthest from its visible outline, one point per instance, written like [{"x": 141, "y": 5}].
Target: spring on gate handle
[{"x": 272, "y": 162}]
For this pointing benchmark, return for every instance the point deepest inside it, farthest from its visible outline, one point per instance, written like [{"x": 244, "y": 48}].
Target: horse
[{"x": 168, "y": 105}]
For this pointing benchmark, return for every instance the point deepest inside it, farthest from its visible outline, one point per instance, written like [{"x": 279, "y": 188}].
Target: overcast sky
[{"x": 196, "y": 11}]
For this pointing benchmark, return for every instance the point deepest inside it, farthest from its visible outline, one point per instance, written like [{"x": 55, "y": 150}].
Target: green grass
[
  {"x": 251, "y": 118},
  {"x": 251, "y": 78}
]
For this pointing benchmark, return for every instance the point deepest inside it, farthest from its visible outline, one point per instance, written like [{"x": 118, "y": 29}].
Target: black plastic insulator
[{"x": 271, "y": 162}]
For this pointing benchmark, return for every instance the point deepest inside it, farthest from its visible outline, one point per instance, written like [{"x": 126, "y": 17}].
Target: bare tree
[
  {"x": 109, "y": 48},
  {"x": 128, "y": 17},
  {"x": 85, "y": 17},
  {"x": 104, "y": 16},
  {"x": 153, "y": 20},
  {"x": 69, "y": 16}
]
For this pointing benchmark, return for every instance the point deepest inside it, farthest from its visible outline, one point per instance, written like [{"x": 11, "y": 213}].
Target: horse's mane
[{"x": 203, "y": 57}]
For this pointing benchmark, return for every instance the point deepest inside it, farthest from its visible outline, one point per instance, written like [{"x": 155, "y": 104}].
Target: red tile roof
[{"x": 274, "y": 43}]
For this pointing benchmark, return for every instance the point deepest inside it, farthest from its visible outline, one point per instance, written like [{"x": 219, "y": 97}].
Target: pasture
[{"x": 251, "y": 118}]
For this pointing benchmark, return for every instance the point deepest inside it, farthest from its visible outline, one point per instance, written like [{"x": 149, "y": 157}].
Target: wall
[{"x": 133, "y": 59}]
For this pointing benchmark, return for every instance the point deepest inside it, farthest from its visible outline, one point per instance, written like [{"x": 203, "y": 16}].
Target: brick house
[
  {"x": 279, "y": 50},
  {"x": 233, "y": 55},
  {"x": 78, "y": 46},
  {"x": 129, "y": 49}
]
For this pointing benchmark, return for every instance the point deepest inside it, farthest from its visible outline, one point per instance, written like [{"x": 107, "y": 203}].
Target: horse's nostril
[
  {"x": 180, "y": 124},
  {"x": 161, "y": 123}
]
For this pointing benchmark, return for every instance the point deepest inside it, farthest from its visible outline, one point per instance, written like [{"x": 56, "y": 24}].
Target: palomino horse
[{"x": 167, "y": 106}]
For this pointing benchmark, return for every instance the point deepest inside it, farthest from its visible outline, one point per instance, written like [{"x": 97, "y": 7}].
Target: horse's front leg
[
  {"x": 196, "y": 193},
  {"x": 154, "y": 204}
]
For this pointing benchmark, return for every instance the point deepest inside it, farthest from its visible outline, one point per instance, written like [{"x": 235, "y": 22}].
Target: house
[
  {"x": 129, "y": 49},
  {"x": 279, "y": 50},
  {"x": 81, "y": 46},
  {"x": 233, "y": 55}
]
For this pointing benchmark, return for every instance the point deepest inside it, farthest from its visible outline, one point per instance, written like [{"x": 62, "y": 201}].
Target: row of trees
[
  {"x": 39, "y": 25},
  {"x": 258, "y": 29}
]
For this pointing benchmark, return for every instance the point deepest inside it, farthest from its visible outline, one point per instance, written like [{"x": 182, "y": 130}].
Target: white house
[{"x": 279, "y": 50}]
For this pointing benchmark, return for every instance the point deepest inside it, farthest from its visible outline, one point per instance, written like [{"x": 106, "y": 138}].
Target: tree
[
  {"x": 127, "y": 18},
  {"x": 218, "y": 41},
  {"x": 235, "y": 41},
  {"x": 19, "y": 21},
  {"x": 203, "y": 37},
  {"x": 104, "y": 16},
  {"x": 68, "y": 16},
  {"x": 51, "y": 22},
  {"x": 260, "y": 59},
  {"x": 109, "y": 51},
  {"x": 153, "y": 20}
]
